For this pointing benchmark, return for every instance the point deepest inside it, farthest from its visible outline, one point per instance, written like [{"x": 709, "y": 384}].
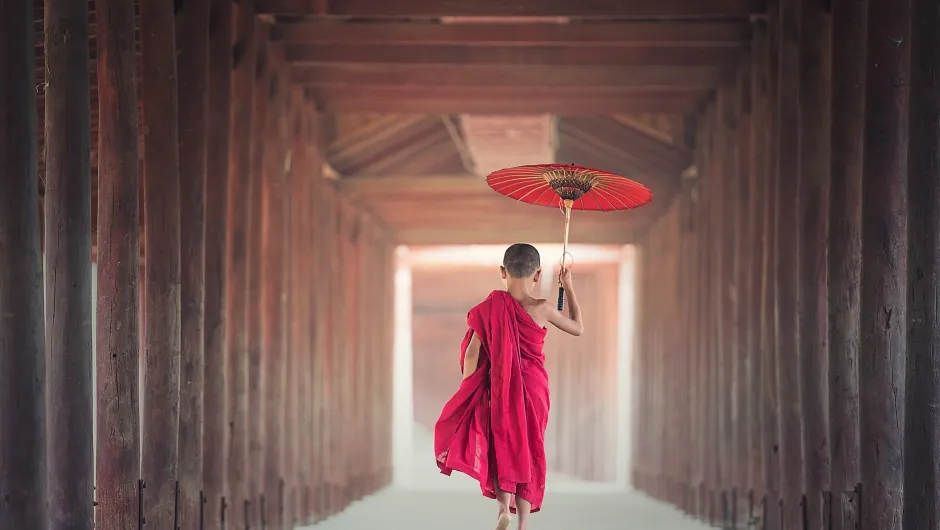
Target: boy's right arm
[{"x": 570, "y": 323}]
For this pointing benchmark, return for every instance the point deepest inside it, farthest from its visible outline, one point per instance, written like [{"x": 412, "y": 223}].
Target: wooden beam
[
  {"x": 923, "y": 340},
  {"x": 118, "y": 251},
  {"x": 508, "y": 102},
  {"x": 22, "y": 348},
  {"x": 882, "y": 358},
  {"x": 457, "y": 184},
  {"x": 217, "y": 173},
  {"x": 352, "y": 54},
  {"x": 161, "y": 372},
  {"x": 849, "y": 30},
  {"x": 453, "y": 76},
  {"x": 239, "y": 218},
  {"x": 645, "y": 9},
  {"x": 686, "y": 33},
  {"x": 67, "y": 207},
  {"x": 192, "y": 34}
]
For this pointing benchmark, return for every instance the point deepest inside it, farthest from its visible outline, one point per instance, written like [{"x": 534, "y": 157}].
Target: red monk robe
[{"x": 494, "y": 426}]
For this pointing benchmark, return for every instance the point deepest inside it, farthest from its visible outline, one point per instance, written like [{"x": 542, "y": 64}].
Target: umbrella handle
[
  {"x": 561, "y": 298},
  {"x": 561, "y": 290}
]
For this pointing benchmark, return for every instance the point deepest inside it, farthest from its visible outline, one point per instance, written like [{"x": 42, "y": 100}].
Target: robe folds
[{"x": 493, "y": 428}]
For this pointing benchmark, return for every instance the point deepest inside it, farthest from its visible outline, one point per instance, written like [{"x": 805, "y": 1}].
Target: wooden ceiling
[{"x": 623, "y": 82}]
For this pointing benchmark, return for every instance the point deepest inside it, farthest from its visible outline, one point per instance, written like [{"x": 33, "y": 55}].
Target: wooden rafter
[
  {"x": 531, "y": 8},
  {"x": 332, "y": 54},
  {"x": 453, "y": 76},
  {"x": 686, "y": 33}
]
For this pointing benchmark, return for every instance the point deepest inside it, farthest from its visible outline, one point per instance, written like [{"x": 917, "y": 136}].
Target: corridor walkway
[
  {"x": 456, "y": 510},
  {"x": 454, "y": 503}
]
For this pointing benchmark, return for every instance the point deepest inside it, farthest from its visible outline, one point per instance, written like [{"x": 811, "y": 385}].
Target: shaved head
[{"x": 521, "y": 260}]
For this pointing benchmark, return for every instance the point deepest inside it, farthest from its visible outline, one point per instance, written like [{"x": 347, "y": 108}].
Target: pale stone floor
[{"x": 455, "y": 503}]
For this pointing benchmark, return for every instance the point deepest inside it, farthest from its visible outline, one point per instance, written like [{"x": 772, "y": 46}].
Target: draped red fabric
[{"x": 494, "y": 426}]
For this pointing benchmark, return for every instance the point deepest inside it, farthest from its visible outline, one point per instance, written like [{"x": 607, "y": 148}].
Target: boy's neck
[{"x": 517, "y": 289}]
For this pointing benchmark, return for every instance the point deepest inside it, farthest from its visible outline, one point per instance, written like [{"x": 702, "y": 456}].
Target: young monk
[{"x": 493, "y": 429}]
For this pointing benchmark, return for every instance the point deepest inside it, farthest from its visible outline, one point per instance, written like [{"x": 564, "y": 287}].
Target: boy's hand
[{"x": 565, "y": 279}]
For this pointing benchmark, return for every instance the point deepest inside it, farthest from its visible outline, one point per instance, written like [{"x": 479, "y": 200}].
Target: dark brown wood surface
[
  {"x": 215, "y": 442},
  {"x": 883, "y": 312},
  {"x": 192, "y": 42},
  {"x": 118, "y": 251},
  {"x": 70, "y": 361},
  {"x": 22, "y": 346},
  {"x": 849, "y": 42}
]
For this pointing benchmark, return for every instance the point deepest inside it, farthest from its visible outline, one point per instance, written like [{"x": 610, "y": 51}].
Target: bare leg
[
  {"x": 523, "y": 509},
  {"x": 503, "y": 498}
]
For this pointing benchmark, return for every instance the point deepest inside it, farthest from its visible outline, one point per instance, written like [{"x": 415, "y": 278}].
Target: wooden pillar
[
  {"x": 239, "y": 223},
  {"x": 769, "y": 289},
  {"x": 758, "y": 236},
  {"x": 70, "y": 482},
  {"x": 261, "y": 129},
  {"x": 883, "y": 313},
  {"x": 22, "y": 347},
  {"x": 699, "y": 349},
  {"x": 273, "y": 227},
  {"x": 922, "y": 421},
  {"x": 192, "y": 32},
  {"x": 215, "y": 441},
  {"x": 319, "y": 293},
  {"x": 161, "y": 371},
  {"x": 786, "y": 195},
  {"x": 742, "y": 295},
  {"x": 118, "y": 251},
  {"x": 849, "y": 22},
  {"x": 299, "y": 353},
  {"x": 813, "y": 222}
]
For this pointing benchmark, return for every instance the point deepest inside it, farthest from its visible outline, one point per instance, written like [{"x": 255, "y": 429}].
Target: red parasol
[{"x": 569, "y": 187}]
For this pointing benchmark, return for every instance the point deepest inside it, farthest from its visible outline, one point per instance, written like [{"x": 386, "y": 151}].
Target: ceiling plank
[
  {"x": 645, "y": 9},
  {"x": 686, "y": 33},
  {"x": 507, "y": 55},
  {"x": 434, "y": 75},
  {"x": 461, "y": 184},
  {"x": 570, "y": 106}
]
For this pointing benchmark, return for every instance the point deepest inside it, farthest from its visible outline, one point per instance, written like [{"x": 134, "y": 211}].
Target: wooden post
[
  {"x": 787, "y": 198},
  {"x": 922, "y": 421},
  {"x": 22, "y": 348},
  {"x": 273, "y": 218},
  {"x": 758, "y": 241},
  {"x": 118, "y": 251},
  {"x": 161, "y": 372},
  {"x": 769, "y": 290},
  {"x": 814, "y": 135},
  {"x": 922, "y": 390},
  {"x": 883, "y": 314},
  {"x": 256, "y": 347},
  {"x": 192, "y": 32},
  {"x": 849, "y": 22},
  {"x": 742, "y": 296},
  {"x": 239, "y": 223},
  {"x": 71, "y": 478},
  {"x": 215, "y": 442}
]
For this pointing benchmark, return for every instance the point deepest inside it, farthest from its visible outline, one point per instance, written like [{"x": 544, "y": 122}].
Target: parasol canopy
[{"x": 569, "y": 187}]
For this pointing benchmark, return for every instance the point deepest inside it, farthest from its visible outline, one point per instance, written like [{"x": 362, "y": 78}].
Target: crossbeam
[
  {"x": 530, "y": 8},
  {"x": 508, "y": 55},
  {"x": 451, "y": 76},
  {"x": 686, "y": 33}
]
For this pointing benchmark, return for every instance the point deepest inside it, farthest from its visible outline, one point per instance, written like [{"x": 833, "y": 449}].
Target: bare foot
[{"x": 503, "y": 522}]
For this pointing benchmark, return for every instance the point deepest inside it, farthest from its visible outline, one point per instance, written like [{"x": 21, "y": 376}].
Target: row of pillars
[
  {"x": 789, "y": 360},
  {"x": 241, "y": 372}
]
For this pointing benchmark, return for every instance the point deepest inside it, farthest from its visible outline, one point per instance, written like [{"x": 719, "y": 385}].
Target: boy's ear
[
  {"x": 502, "y": 271},
  {"x": 538, "y": 275}
]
